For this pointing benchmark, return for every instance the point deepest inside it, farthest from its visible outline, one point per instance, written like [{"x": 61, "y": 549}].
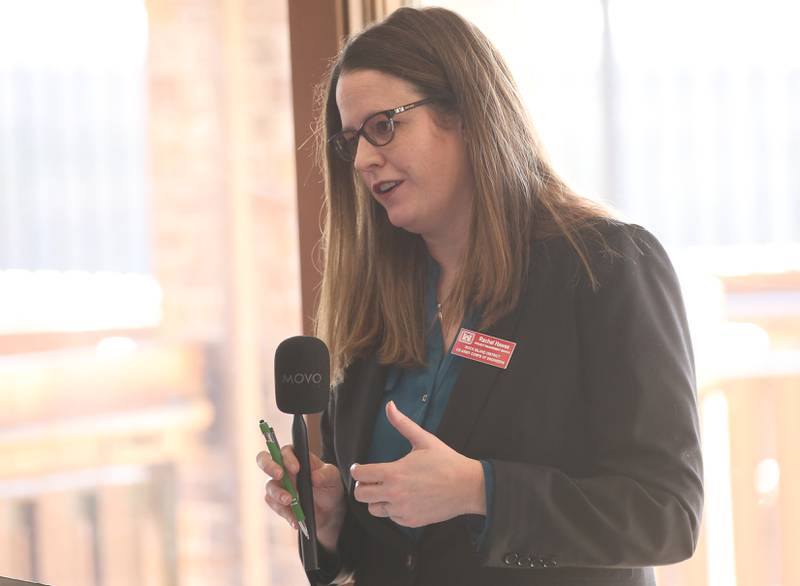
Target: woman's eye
[{"x": 383, "y": 126}]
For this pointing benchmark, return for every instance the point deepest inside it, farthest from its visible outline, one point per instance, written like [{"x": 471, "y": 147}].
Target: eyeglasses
[{"x": 378, "y": 129}]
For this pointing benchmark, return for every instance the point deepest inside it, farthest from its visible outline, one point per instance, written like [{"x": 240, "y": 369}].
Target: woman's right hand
[{"x": 329, "y": 503}]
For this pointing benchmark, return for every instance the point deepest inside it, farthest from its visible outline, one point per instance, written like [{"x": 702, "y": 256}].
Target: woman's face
[{"x": 427, "y": 159}]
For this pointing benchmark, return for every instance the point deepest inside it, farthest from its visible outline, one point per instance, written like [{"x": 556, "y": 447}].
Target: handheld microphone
[{"x": 302, "y": 384}]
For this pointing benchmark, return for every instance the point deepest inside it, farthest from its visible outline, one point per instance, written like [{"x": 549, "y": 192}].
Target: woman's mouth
[{"x": 384, "y": 188}]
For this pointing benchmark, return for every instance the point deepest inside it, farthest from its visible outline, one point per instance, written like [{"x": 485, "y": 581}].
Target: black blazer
[{"x": 592, "y": 431}]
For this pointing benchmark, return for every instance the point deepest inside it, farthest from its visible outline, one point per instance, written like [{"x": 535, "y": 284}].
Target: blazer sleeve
[
  {"x": 336, "y": 567},
  {"x": 640, "y": 503}
]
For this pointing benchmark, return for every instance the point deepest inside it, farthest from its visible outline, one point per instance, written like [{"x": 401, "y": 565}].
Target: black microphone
[{"x": 302, "y": 384}]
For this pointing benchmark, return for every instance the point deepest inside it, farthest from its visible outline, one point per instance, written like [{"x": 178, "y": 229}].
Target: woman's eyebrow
[{"x": 370, "y": 115}]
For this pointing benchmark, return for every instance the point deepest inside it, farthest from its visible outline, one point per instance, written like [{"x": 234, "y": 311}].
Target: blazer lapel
[
  {"x": 357, "y": 412},
  {"x": 357, "y": 407},
  {"x": 473, "y": 387}
]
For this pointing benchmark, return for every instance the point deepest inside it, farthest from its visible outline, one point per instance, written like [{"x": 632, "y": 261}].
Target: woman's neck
[
  {"x": 448, "y": 254},
  {"x": 447, "y": 245}
]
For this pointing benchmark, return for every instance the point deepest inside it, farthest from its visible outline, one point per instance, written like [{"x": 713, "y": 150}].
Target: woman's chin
[{"x": 399, "y": 220}]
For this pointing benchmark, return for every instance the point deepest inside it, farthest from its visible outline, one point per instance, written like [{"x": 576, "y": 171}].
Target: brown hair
[{"x": 372, "y": 294}]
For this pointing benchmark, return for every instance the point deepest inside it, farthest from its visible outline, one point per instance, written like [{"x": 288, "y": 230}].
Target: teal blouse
[{"x": 422, "y": 394}]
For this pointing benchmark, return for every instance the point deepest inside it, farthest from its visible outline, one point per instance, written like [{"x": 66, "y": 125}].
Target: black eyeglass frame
[{"x": 340, "y": 143}]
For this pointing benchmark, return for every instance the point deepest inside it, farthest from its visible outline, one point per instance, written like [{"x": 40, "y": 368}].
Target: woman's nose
[{"x": 367, "y": 155}]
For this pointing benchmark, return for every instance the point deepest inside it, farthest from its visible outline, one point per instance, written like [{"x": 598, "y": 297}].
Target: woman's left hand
[{"x": 432, "y": 483}]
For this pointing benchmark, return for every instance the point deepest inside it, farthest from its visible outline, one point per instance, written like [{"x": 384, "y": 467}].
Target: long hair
[{"x": 372, "y": 292}]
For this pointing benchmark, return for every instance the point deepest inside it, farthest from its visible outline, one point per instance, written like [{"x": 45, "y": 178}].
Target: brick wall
[
  {"x": 189, "y": 183},
  {"x": 188, "y": 165},
  {"x": 192, "y": 187}
]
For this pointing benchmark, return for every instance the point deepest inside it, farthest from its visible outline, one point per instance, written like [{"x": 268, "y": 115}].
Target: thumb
[
  {"x": 325, "y": 476},
  {"x": 418, "y": 437},
  {"x": 315, "y": 462}
]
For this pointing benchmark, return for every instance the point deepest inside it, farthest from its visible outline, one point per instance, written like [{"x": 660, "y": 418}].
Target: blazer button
[
  {"x": 510, "y": 559},
  {"x": 411, "y": 562}
]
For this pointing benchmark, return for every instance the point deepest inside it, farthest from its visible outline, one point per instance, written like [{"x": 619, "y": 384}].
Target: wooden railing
[{"x": 91, "y": 453}]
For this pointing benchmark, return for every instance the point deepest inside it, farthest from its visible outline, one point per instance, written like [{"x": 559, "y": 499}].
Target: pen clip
[{"x": 266, "y": 430}]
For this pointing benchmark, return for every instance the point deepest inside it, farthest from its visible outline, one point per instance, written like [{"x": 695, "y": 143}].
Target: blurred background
[{"x": 158, "y": 220}]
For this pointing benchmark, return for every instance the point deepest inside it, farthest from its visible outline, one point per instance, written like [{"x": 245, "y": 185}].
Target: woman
[{"x": 553, "y": 439}]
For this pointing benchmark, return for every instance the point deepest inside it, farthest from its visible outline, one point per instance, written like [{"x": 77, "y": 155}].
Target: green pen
[{"x": 275, "y": 452}]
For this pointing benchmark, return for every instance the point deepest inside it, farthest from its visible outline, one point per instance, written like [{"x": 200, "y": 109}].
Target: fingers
[
  {"x": 276, "y": 494},
  {"x": 290, "y": 460},
  {"x": 278, "y": 500},
  {"x": 380, "y": 509},
  {"x": 369, "y": 473},
  {"x": 323, "y": 475},
  {"x": 268, "y": 465},
  {"x": 371, "y": 493},
  {"x": 273, "y": 469},
  {"x": 370, "y": 482}
]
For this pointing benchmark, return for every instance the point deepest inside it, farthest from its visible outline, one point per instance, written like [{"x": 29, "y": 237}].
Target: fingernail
[{"x": 285, "y": 499}]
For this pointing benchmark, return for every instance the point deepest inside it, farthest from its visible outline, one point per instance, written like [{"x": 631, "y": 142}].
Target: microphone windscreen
[{"x": 302, "y": 375}]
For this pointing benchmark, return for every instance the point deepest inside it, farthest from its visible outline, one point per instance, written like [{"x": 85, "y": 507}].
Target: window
[
  {"x": 681, "y": 115},
  {"x": 74, "y": 219}
]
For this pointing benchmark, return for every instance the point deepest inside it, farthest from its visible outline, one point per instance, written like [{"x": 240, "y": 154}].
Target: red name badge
[{"x": 482, "y": 348}]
